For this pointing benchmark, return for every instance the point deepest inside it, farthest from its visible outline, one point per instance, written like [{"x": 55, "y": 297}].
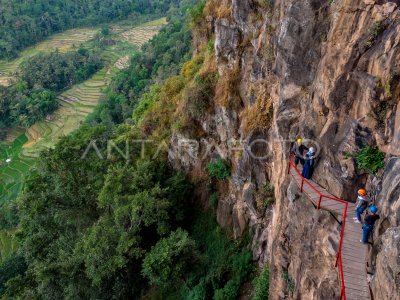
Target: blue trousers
[
  {"x": 359, "y": 212},
  {"x": 367, "y": 230}
]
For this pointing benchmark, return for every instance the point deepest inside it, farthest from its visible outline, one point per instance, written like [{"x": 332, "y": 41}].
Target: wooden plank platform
[{"x": 354, "y": 253}]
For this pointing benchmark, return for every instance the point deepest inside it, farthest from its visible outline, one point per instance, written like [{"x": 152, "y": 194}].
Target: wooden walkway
[{"x": 352, "y": 253}]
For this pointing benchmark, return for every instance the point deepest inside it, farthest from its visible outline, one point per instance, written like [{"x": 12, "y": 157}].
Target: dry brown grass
[
  {"x": 227, "y": 92},
  {"x": 197, "y": 98},
  {"x": 180, "y": 100},
  {"x": 158, "y": 121},
  {"x": 184, "y": 99},
  {"x": 192, "y": 67},
  {"x": 219, "y": 9},
  {"x": 257, "y": 116},
  {"x": 264, "y": 4},
  {"x": 210, "y": 64},
  {"x": 256, "y": 17}
]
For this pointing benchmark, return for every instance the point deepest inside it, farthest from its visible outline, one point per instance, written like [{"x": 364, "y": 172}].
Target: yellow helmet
[
  {"x": 299, "y": 140},
  {"x": 362, "y": 192}
]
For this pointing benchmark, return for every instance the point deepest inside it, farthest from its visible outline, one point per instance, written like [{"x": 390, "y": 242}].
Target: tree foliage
[
  {"x": 224, "y": 265},
  {"x": 219, "y": 169},
  {"x": 13, "y": 266},
  {"x": 22, "y": 106},
  {"x": 370, "y": 158},
  {"x": 170, "y": 259},
  {"x": 86, "y": 224},
  {"x": 56, "y": 71},
  {"x": 96, "y": 228},
  {"x": 261, "y": 285}
]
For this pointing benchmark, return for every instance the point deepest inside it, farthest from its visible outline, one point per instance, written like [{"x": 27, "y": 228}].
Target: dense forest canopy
[
  {"x": 94, "y": 220},
  {"x": 103, "y": 229},
  {"x": 56, "y": 71},
  {"x": 23, "y": 107},
  {"x": 25, "y": 22}
]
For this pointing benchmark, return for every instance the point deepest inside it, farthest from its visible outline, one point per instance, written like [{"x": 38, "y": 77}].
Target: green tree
[
  {"x": 57, "y": 71},
  {"x": 170, "y": 259},
  {"x": 105, "y": 30},
  {"x": 10, "y": 268},
  {"x": 219, "y": 169},
  {"x": 261, "y": 285},
  {"x": 86, "y": 224},
  {"x": 370, "y": 158}
]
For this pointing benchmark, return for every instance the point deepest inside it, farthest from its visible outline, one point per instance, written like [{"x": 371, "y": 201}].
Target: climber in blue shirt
[{"x": 369, "y": 222}]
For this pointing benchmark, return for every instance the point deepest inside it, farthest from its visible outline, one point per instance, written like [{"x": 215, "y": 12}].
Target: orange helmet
[{"x": 362, "y": 192}]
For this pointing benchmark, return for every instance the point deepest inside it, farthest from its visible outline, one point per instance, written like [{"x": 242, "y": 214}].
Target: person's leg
[
  {"x": 358, "y": 213},
  {"x": 296, "y": 160},
  {"x": 311, "y": 171},
  {"x": 367, "y": 229},
  {"x": 369, "y": 232},
  {"x": 364, "y": 235},
  {"x": 363, "y": 211}
]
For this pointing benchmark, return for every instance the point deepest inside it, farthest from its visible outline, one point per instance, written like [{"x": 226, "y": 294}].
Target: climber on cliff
[
  {"x": 298, "y": 151},
  {"x": 369, "y": 222},
  {"x": 309, "y": 164},
  {"x": 361, "y": 204}
]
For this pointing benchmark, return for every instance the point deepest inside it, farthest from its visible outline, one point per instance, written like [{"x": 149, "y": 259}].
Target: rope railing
[{"x": 339, "y": 262}]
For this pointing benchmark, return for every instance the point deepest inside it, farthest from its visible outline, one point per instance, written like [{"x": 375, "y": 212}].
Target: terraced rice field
[
  {"x": 14, "y": 166},
  {"x": 75, "y": 105},
  {"x": 140, "y": 35}
]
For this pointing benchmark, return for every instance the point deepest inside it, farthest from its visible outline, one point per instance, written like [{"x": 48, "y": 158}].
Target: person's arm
[
  {"x": 358, "y": 202},
  {"x": 364, "y": 217}
]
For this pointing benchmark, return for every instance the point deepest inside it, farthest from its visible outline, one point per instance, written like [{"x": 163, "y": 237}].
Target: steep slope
[{"x": 327, "y": 71}]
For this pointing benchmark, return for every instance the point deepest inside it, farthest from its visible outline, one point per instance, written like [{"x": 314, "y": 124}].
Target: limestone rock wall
[{"x": 327, "y": 71}]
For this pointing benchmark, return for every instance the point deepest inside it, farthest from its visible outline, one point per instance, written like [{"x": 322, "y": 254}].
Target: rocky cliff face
[{"x": 327, "y": 71}]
